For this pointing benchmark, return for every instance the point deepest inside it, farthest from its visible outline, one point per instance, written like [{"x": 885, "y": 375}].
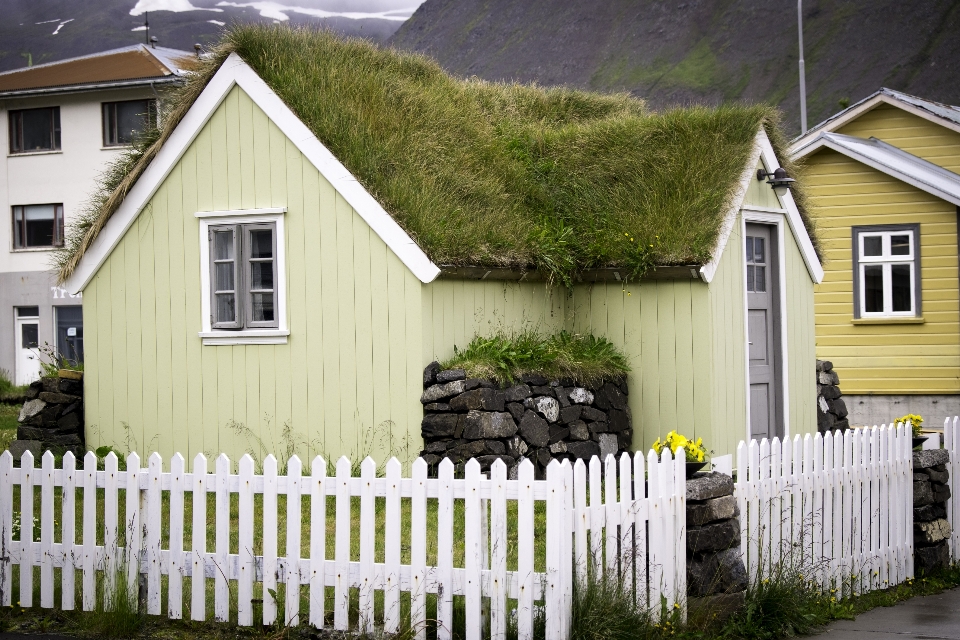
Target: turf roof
[{"x": 490, "y": 174}]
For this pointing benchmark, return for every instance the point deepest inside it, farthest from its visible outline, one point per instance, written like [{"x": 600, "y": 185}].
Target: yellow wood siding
[
  {"x": 362, "y": 327},
  {"x": 354, "y": 357},
  {"x": 885, "y": 358},
  {"x": 919, "y": 136}
]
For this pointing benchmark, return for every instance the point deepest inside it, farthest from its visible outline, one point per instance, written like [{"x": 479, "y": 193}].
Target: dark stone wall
[
  {"x": 931, "y": 531},
  {"x": 52, "y": 417},
  {"x": 831, "y": 409},
  {"x": 536, "y": 418},
  {"x": 716, "y": 575}
]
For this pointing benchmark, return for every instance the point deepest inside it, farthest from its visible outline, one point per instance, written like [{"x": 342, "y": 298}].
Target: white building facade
[{"x": 63, "y": 123}]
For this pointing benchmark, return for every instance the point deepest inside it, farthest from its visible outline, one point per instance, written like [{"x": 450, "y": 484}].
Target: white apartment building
[{"x": 64, "y": 122}]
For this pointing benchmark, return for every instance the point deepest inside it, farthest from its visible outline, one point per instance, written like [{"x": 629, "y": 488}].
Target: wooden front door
[{"x": 763, "y": 328}]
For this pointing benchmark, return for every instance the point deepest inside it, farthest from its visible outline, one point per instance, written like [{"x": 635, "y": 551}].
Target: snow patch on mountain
[
  {"x": 176, "y": 6},
  {"x": 277, "y": 11}
]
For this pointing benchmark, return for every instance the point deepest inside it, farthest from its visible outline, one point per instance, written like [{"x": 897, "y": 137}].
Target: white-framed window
[
  {"x": 242, "y": 275},
  {"x": 886, "y": 261}
]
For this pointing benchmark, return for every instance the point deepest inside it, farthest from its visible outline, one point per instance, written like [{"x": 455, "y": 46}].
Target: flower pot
[
  {"x": 693, "y": 467},
  {"x": 918, "y": 441}
]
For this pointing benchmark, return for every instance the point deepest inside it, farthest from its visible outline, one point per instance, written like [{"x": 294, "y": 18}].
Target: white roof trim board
[
  {"x": 763, "y": 151},
  {"x": 942, "y": 114},
  {"x": 895, "y": 162},
  {"x": 235, "y": 72}
]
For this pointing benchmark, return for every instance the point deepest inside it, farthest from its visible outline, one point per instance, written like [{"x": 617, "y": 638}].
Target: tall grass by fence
[
  {"x": 631, "y": 531},
  {"x": 839, "y": 505}
]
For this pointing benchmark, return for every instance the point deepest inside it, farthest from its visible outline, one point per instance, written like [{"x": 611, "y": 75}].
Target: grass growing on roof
[
  {"x": 506, "y": 356},
  {"x": 490, "y": 174}
]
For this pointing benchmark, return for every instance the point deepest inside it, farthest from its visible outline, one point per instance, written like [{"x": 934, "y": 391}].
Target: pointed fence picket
[
  {"x": 835, "y": 507},
  {"x": 631, "y": 529}
]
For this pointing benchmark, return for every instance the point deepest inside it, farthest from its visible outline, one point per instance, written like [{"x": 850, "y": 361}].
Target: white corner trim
[
  {"x": 235, "y": 72},
  {"x": 215, "y": 338},
  {"x": 810, "y": 259},
  {"x": 243, "y": 217},
  {"x": 240, "y": 212},
  {"x": 709, "y": 270}
]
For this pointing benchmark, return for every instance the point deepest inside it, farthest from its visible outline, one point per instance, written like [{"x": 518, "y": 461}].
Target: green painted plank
[
  {"x": 147, "y": 314},
  {"x": 649, "y": 417},
  {"x": 218, "y": 168},
  {"x": 329, "y": 274},
  {"x": 346, "y": 319},
  {"x": 177, "y": 322},
  {"x": 248, "y": 175},
  {"x": 362, "y": 318},
  {"x": 667, "y": 355},
  {"x": 703, "y": 415},
  {"x": 380, "y": 328},
  {"x": 232, "y": 152},
  {"x": 162, "y": 300},
  {"x": 633, "y": 349},
  {"x": 103, "y": 359},
  {"x": 683, "y": 330},
  {"x": 277, "y": 169},
  {"x": 263, "y": 156},
  {"x": 92, "y": 383},
  {"x": 396, "y": 292},
  {"x": 249, "y": 384},
  {"x": 134, "y": 354},
  {"x": 414, "y": 371}
]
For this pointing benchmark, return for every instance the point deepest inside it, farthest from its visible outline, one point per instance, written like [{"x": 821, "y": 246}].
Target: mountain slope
[
  {"x": 706, "y": 51},
  {"x": 41, "y": 31}
]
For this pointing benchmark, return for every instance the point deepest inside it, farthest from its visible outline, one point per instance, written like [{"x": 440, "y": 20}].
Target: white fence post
[
  {"x": 6, "y": 528},
  {"x": 951, "y": 435},
  {"x": 27, "y": 472}
]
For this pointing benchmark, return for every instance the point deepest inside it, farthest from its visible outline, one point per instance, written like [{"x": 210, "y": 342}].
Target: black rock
[
  {"x": 618, "y": 420},
  {"x": 430, "y": 373},
  {"x": 929, "y": 513},
  {"x": 922, "y": 494},
  {"x": 561, "y": 394},
  {"x": 558, "y": 433},
  {"x": 830, "y": 392},
  {"x": 584, "y": 450},
  {"x": 25, "y": 432},
  {"x": 544, "y": 457},
  {"x": 621, "y": 382},
  {"x": 431, "y": 459},
  {"x": 534, "y": 429},
  {"x": 58, "y": 398},
  {"x": 516, "y": 410},
  {"x": 517, "y": 393},
  {"x": 478, "y": 399},
  {"x": 70, "y": 387},
  {"x": 570, "y": 414},
  {"x": 68, "y": 422},
  {"x": 438, "y": 425},
  {"x": 716, "y": 536},
  {"x": 534, "y": 379},
  {"x": 938, "y": 476},
  {"x": 838, "y": 407},
  {"x": 941, "y": 492},
  {"x": 590, "y": 413},
  {"x": 705, "y": 486},
  {"x": 598, "y": 427},
  {"x": 625, "y": 439},
  {"x": 722, "y": 572},
  {"x": 488, "y": 424},
  {"x": 447, "y": 390},
  {"x": 50, "y": 385},
  {"x": 437, "y": 407},
  {"x": 494, "y": 447},
  {"x": 437, "y": 446},
  {"x": 927, "y": 559},
  {"x": 930, "y": 458},
  {"x": 826, "y": 365},
  {"x": 33, "y": 390},
  {"x": 704, "y": 512},
  {"x": 451, "y": 375},
  {"x": 579, "y": 430},
  {"x": 486, "y": 461},
  {"x": 615, "y": 398},
  {"x": 842, "y": 425},
  {"x": 542, "y": 391}
]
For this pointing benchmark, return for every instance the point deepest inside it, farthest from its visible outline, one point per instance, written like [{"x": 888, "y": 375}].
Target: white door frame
[
  {"x": 775, "y": 218},
  {"x": 18, "y": 322}
]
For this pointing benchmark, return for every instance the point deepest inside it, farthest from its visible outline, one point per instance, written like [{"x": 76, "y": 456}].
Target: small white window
[
  {"x": 886, "y": 271},
  {"x": 242, "y": 276}
]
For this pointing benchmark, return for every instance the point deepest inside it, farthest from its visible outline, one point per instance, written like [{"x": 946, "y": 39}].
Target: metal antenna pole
[
  {"x": 146, "y": 23},
  {"x": 803, "y": 83}
]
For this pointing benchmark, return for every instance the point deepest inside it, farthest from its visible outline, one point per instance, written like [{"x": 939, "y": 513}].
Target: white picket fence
[
  {"x": 839, "y": 507},
  {"x": 951, "y": 442},
  {"x": 632, "y": 528}
]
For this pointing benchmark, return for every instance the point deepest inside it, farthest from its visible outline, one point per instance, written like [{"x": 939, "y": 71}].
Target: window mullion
[
  {"x": 239, "y": 270},
  {"x": 887, "y": 289}
]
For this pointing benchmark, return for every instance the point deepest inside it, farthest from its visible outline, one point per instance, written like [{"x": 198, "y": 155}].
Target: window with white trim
[
  {"x": 243, "y": 275},
  {"x": 887, "y": 271},
  {"x": 242, "y": 254}
]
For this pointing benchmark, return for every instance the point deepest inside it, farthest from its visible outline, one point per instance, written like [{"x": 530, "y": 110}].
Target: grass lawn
[{"x": 8, "y": 424}]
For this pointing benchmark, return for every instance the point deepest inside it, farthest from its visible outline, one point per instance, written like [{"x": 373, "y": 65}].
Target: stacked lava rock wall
[
  {"x": 536, "y": 418},
  {"x": 52, "y": 417},
  {"x": 716, "y": 575},
  {"x": 831, "y": 409},
  {"x": 931, "y": 531}
]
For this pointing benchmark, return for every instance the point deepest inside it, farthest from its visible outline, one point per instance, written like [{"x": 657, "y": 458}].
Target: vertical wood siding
[
  {"x": 885, "y": 358},
  {"x": 801, "y": 370},
  {"x": 349, "y": 379}
]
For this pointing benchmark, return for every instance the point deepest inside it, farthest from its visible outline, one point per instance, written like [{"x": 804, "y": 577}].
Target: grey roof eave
[{"x": 92, "y": 86}]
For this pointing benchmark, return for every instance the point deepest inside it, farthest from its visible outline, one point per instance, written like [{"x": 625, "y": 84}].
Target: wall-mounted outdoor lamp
[{"x": 779, "y": 181}]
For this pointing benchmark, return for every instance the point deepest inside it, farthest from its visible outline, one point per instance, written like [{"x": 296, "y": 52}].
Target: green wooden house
[{"x": 255, "y": 278}]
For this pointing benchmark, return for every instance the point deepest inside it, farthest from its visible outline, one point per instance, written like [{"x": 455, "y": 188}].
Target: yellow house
[
  {"x": 883, "y": 175},
  {"x": 354, "y": 294}
]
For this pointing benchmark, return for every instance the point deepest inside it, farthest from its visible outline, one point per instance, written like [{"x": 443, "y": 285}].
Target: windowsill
[
  {"x": 892, "y": 320},
  {"x": 20, "y": 154},
  {"x": 249, "y": 336},
  {"x": 34, "y": 249},
  {"x": 116, "y": 147}
]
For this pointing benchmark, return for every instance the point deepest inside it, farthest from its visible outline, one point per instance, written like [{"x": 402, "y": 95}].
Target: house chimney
[
  {"x": 198, "y": 48},
  {"x": 153, "y": 41}
]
